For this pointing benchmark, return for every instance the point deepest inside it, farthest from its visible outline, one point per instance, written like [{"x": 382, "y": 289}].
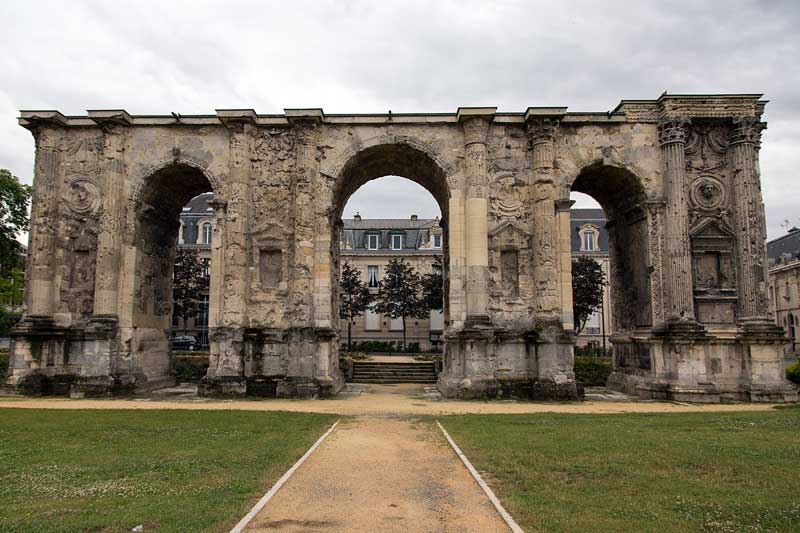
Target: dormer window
[
  {"x": 397, "y": 242},
  {"x": 437, "y": 241},
  {"x": 589, "y": 236},
  {"x": 373, "y": 242},
  {"x": 207, "y": 231}
]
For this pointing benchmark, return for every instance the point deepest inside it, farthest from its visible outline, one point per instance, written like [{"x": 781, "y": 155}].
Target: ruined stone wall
[{"x": 678, "y": 178}]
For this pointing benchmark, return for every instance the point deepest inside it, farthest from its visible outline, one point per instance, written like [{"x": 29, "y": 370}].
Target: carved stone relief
[{"x": 83, "y": 197}]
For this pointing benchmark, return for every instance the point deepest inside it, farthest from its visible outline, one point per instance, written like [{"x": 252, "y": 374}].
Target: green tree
[
  {"x": 400, "y": 294},
  {"x": 354, "y": 299},
  {"x": 189, "y": 280},
  {"x": 588, "y": 281},
  {"x": 433, "y": 286},
  {"x": 15, "y": 199}
]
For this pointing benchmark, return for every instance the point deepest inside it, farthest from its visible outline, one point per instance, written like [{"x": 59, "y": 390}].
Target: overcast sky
[{"x": 193, "y": 57}]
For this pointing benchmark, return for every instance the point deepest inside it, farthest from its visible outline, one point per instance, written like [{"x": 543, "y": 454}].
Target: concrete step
[
  {"x": 393, "y": 372},
  {"x": 393, "y": 381}
]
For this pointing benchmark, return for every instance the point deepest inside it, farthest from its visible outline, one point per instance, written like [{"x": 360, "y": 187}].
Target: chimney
[
  {"x": 356, "y": 217},
  {"x": 414, "y": 217}
]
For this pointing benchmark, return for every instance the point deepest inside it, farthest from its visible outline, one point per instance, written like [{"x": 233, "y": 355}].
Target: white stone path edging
[
  {"x": 482, "y": 484},
  {"x": 238, "y": 528}
]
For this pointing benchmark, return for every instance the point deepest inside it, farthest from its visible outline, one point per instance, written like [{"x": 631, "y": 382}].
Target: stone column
[
  {"x": 109, "y": 241},
  {"x": 749, "y": 217},
  {"x": 678, "y": 297},
  {"x": 565, "y": 262},
  {"x": 475, "y": 123},
  {"x": 541, "y": 133},
  {"x": 39, "y": 291},
  {"x": 237, "y": 216}
]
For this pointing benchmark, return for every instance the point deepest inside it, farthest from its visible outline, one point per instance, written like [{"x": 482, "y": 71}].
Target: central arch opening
[
  {"x": 609, "y": 232},
  {"x": 173, "y": 232},
  {"x": 390, "y": 236}
]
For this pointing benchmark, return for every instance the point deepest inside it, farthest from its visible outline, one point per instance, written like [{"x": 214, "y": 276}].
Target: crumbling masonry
[{"x": 678, "y": 178}]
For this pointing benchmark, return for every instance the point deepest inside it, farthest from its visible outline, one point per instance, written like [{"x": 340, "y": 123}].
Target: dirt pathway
[
  {"x": 381, "y": 474},
  {"x": 404, "y": 399}
]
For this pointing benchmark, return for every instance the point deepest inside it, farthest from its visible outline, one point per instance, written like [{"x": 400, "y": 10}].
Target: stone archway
[
  {"x": 696, "y": 320},
  {"x": 148, "y": 258},
  {"x": 409, "y": 160}
]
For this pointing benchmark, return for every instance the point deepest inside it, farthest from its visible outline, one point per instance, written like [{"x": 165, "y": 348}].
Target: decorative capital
[
  {"x": 475, "y": 122},
  {"x": 747, "y": 130},
  {"x": 300, "y": 116},
  {"x": 110, "y": 120},
  {"x": 542, "y": 130},
  {"x": 237, "y": 120},
  {"x": 673, "y": 130},
  {"x": 219, "y": 206}
]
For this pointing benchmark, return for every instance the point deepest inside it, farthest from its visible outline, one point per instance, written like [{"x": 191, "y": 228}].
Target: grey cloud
[{"x": 366, "y": 56}]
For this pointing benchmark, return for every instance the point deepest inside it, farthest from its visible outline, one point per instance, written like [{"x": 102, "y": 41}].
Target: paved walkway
[
  {"x": 381, "y": 474},
  {"x": 402, "y": 399}
]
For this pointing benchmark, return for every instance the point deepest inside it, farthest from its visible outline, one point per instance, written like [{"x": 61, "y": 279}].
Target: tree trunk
[
  {"x": 349, "y": 336},
  {"x": 404, "y": 333}
]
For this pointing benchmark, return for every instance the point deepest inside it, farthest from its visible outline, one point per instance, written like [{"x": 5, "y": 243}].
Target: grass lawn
[
  {"x": 637, "y": 472},
  {"x": 112, "y": 470}
]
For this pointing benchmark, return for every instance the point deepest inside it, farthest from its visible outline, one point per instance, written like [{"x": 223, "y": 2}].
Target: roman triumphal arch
[{"x": 678, "y": 178}]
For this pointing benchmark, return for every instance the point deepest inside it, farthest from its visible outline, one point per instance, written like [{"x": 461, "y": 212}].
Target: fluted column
[
  {"x": 678, "y": 298},
  {"x": 563, "y": 208},
  {"x": 40, "y": 291},
  {"x": 237, "y": 211},
  {"x": 475, "y": 124},
  {"x": 541, "y": 133},
  {"x": 749, "y": 216},
  {"x": 109, "y": 241}
]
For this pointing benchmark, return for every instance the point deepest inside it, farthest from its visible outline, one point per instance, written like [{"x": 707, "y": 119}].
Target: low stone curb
[
  {"x": 510, "y": 522},
  {"x": 238, "y": 528}
]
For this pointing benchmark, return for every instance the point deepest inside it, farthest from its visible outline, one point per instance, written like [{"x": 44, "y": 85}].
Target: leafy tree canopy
[
  {"x": 354, "y": 298},
  {"x": 189, "y": 281},
  {"x": 433, "y": 287},
  {"x": 14, "y": 219},
  {"x": 400, "y": 294},
  {"x": 587, "y": 289}
]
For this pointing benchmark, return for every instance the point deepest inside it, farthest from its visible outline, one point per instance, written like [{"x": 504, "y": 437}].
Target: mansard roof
[
  {"x": 416, "y": 234},
  {"x": 787, "y": 246}
]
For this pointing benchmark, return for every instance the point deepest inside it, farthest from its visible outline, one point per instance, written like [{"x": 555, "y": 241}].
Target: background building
[
  {"x": 784, "y": 285},
  {"x": 196, "y": 231},
  {"x": 368, "y": 245},
  {"x": 590, "y": 239}
]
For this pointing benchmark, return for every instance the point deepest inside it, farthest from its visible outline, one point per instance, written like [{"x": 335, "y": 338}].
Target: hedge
[
  {"x": 793, "y": 373},
  {"x": 190, "y": 368},
  {"x": 592, "y": 371}
]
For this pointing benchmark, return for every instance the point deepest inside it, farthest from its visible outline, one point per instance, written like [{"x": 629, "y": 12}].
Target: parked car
[{"x": 184, "y": 342}]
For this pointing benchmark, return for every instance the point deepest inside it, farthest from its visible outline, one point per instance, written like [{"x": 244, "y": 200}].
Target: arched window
[{"x": 207, "y": 231}]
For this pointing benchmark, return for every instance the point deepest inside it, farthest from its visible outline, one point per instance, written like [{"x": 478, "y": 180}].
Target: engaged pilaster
[
  {"x": 242, "y": 126},
  {"x": 749, "y": 216},
  {"x": 46, "y": 127},
  {"x": 679, "y": 303},
  {"x": 542, "y": 126},
  {"x": 115, "y": 125},
  {"x": 475, "y": 122}
]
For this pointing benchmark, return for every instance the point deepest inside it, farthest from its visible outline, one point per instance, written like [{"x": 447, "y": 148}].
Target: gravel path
[
  {"x": 406, "y": 399},
  {"x": 381, "y": 474}
]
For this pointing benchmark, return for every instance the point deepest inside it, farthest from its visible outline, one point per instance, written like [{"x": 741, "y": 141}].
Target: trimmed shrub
[
  {"x": 413, "y": 347},
  {"x": 190, "y": 368},
  {"x": 793, "y": 373},
  {"x": 4, "y": 356},
  {"x": 373, "y": 346},
  {"x": 592, "y": 371}
]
